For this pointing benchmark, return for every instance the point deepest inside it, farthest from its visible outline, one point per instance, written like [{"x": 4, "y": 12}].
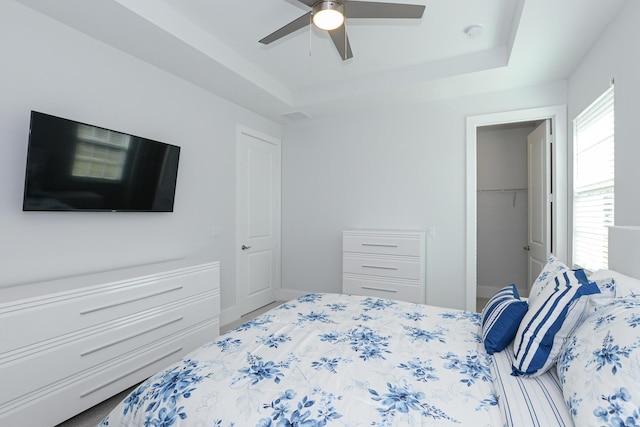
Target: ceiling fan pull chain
[
  {"x": 310, "y": 32},
  {"x": 345, "y": 44}
]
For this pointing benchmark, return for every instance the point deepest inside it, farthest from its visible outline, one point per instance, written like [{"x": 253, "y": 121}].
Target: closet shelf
[
  {"x": 500, "y": 190},
  {"x": 504, "y": 190}
]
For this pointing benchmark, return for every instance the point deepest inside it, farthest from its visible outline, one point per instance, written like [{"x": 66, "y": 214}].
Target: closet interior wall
[{"x": 502, "y": 207}]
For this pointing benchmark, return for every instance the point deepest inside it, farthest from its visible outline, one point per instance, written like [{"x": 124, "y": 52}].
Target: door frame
[
  {"x": 559, "y": 167},
  {"x": 243, "y": 130}
]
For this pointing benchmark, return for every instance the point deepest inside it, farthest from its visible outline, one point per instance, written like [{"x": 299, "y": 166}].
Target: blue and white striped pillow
[
  {"x": 552, "y": 316},
  {"x": 501, "y": 317}
]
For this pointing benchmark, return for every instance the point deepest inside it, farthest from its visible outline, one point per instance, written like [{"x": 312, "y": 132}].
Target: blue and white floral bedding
[{"x": 328, "y": 360}]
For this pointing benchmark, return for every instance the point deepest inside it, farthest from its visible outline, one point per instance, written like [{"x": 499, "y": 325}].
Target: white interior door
[
  {"x": 539, "y": 245},
  {"x": 258, "y": 220}
]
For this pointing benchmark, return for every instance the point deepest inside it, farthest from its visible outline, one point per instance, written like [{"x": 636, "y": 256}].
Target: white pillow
[
  {"x": 607, "y": 288},
  {"x": 599, "y": 366},
  {"x": 625, "y": 286},
  {"x": 552, "y": 267}
]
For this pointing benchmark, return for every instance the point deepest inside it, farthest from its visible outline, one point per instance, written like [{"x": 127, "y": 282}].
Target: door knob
[
  {"x": 527, "y": 248},
  {"x": 244, "y": 247}
]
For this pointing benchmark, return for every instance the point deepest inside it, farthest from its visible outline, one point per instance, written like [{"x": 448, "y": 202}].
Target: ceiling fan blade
[
  {"x": 309, "y": 3},
  {"x": 292, "y": 26},
  {"x": 341, "y": 40},
  {"x": 368, "y": 9}
]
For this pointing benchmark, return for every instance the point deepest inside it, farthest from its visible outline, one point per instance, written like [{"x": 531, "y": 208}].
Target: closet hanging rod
[{"x": 500, "y": 190}]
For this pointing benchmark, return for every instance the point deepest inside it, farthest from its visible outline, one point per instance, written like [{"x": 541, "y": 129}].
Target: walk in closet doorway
[
  {"x": 502, "y": 207},
  {"x": 552, "y": 195}
]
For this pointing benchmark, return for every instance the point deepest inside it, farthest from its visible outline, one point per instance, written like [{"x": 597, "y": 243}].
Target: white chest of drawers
[
  {"x": 68, "y": 344},
  {"x": 387, "y": 264}
]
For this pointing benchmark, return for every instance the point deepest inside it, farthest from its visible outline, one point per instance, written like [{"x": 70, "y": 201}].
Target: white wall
[
  {"x": 405, "y": 168},
  {"x": 615, "y": 56},
  {"x": 502, "y": 219},
  {"x": 402, "y": 168},
  {"x": 49, "y": 67}
]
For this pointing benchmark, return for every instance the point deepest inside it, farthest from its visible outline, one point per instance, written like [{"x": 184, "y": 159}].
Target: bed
[{"x": 569, "y": 355}]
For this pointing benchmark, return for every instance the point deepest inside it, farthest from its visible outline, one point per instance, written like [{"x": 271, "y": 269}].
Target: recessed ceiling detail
[{"x": 212, "y": 44}]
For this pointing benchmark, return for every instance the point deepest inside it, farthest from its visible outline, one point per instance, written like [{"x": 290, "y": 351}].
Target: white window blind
[
  {"x": 593, "y": 182},
  {"x": 100, "y": 153}
]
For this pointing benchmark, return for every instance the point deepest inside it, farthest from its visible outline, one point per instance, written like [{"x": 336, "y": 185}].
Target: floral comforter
[{"x": 327, "y": 360}]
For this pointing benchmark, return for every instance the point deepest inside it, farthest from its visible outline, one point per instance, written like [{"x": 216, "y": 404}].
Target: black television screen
[{"x": 74, "y": 166}]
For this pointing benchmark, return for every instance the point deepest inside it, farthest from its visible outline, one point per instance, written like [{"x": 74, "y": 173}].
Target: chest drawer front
[
  {"x": 410, "y": 245},
  {"x": 385, "y": 267},
  {"x": 383, "y": 289},
  {"x": 384, "y": 263}
]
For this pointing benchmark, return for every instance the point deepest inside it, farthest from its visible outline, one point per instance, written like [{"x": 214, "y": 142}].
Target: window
[
  {"x": 100, "y": 153},
  {"x": 593, "y": 182}
]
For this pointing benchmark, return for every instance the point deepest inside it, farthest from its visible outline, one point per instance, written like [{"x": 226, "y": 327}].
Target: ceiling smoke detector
[{"x": 473, "y": 31}]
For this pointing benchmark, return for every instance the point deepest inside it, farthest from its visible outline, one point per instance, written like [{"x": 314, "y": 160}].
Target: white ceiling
[{"x": 214, "y": 44}]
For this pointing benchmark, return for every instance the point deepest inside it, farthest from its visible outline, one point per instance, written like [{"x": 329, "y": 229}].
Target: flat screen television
[{"x": 74, "y": 166}]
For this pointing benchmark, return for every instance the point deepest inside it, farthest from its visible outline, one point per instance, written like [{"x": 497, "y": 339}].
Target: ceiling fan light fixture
[{"x": 328, "y": 15}]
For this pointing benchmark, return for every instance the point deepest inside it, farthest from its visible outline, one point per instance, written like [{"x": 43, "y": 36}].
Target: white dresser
[
  {"x": 387, "y": 264},
  {"x": 68, "y": 344}
]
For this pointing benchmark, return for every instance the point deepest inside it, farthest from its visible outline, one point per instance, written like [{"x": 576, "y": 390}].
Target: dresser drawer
[
  {"x": 50, "y": 404},
  {"x": 384, "y": 263},
  {"x": 44, "y": 317},
  {"x": 67, "y": 344},
  {"x": 382, "y": 266},
  {"x": 383, "y": 243},
  {"x": 383, "y": 289},
  {"x": 98, "y": 346}
]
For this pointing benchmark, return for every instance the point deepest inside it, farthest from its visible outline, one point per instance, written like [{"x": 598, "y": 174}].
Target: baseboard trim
[
  {"x": 489, "y": 291},
  {"x": 229, "y": 315},
  {"x": 486, "y": 291},
  {"x": 232, "y": 314},
  {"x": 290, "y": 294}
]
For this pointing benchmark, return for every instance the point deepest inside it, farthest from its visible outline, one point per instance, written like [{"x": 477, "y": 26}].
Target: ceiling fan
[{"x": 331, "y": 15}]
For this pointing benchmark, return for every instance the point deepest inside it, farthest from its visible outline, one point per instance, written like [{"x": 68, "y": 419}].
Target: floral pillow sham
[{"x": 599, "y": 366}]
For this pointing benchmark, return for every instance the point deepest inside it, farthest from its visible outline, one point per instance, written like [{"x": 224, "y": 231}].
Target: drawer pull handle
[
  {"x": 126, "y": 374},
  {"x": 371, "y": 288},
  {"x": 379, "y": 267},
  {"x": 380, "y": 245},
  {"x": 115, "y": 304},
  {"x": 128, "y": 337}
]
